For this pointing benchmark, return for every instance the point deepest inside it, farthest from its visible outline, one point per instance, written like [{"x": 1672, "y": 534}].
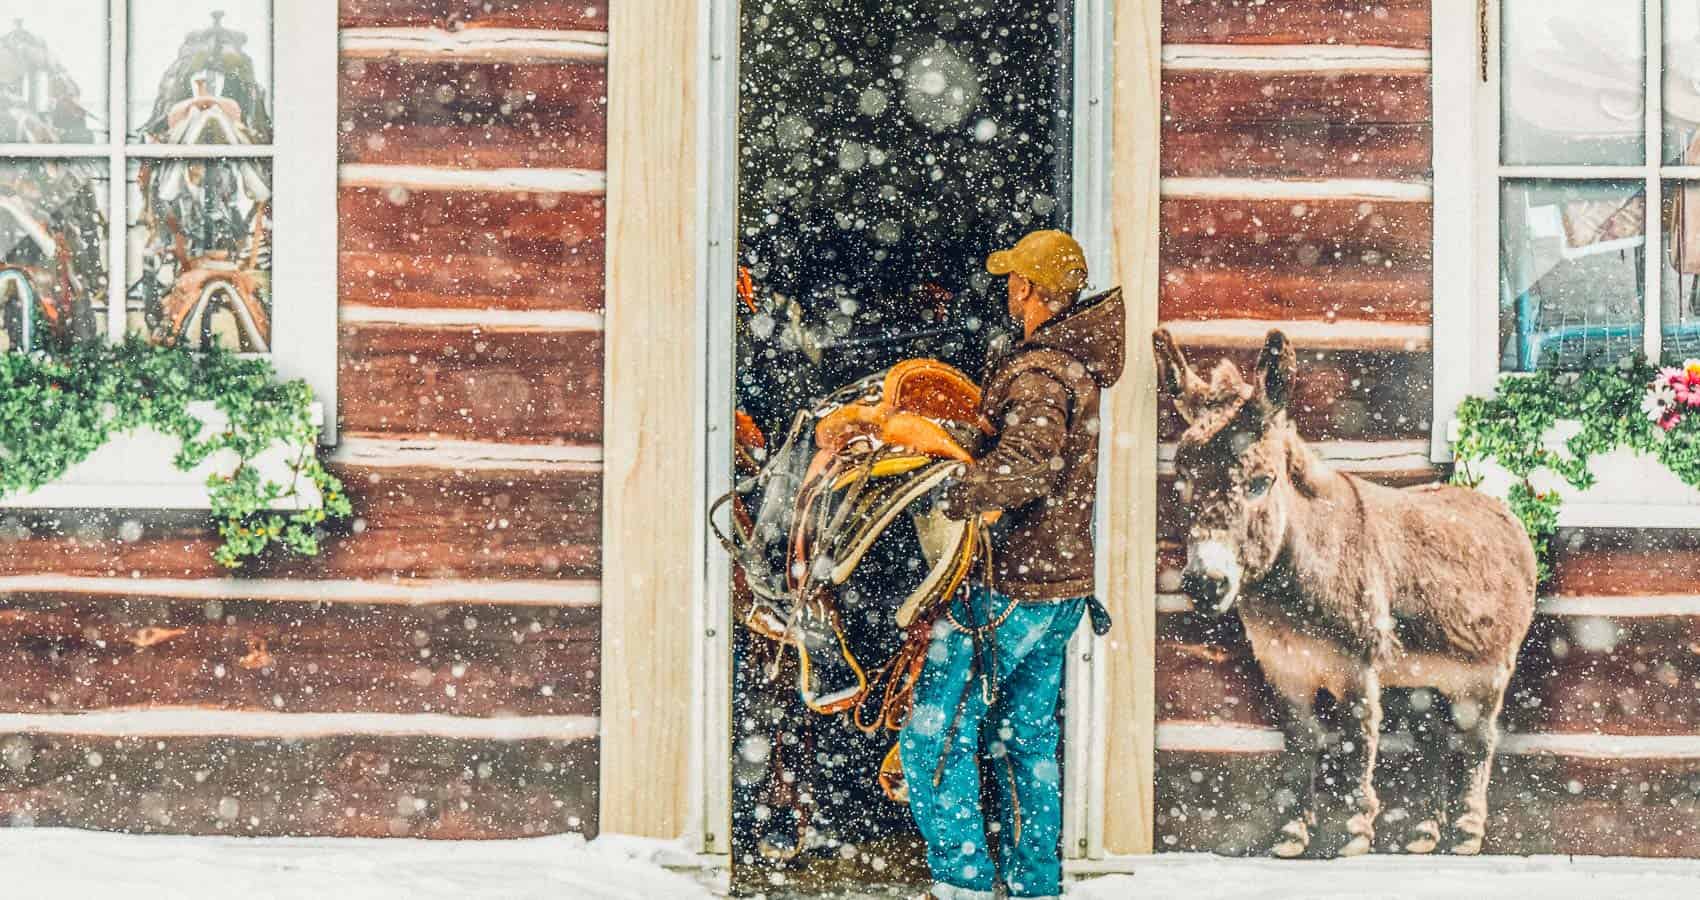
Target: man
[{"x": 994, "y": 670}]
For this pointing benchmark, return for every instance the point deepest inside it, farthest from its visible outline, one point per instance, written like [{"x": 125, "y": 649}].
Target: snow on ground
[
  {"x": 51, "y": 862},
  {"x": 62, "y": 863},
  {"x": 1200, "y": 877}
]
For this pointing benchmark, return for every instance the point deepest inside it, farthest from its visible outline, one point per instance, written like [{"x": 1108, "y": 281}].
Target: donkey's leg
[
  {"x": 1360, "y": 738},
  {"x": 1433, "y": 746},
  {"x": 1476, "y": 715},
  {"x": 1295, "y": 796}
]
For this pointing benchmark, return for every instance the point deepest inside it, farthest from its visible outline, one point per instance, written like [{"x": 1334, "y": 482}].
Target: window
[{"x": 168, "y": 171}]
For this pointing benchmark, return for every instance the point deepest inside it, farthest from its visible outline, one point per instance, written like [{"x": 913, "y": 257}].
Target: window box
[
  {"x": 135, "y": 471},
  {"x": 1631, "y": 489}
]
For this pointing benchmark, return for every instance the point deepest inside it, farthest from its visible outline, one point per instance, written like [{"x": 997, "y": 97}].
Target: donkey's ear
[
  {"x": 1277, "y": 369},
  {"x": 1175, "y": 378}
]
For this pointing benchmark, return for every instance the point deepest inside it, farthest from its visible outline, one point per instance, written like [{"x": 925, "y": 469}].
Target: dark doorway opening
[{"x": 884, "y": 149}]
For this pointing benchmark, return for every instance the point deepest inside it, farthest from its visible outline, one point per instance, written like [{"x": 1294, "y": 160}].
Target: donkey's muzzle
[{"x": 1205, "y": 589}]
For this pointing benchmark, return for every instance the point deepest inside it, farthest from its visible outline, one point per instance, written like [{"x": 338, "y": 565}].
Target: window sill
[
  {"x": 1630, "y": 490},
  {"x": 134, "y": 471}
]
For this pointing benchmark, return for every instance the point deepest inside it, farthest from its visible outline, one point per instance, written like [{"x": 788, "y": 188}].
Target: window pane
[
  {"x": 1680, "y": 304},
  {"x": 53, "y": 59},
  {"x": 1572, "y": 257},
  {"x": 201, "y": 72},
  {"x": 1573, "y": 75},
  {"x": 52, "y": 252},
  {"x": 200, "y": 253},
  {"x": 1682, "y": 82}
]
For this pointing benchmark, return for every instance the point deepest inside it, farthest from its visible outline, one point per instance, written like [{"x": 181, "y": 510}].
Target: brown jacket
[{"x": 1042, "y": 471}]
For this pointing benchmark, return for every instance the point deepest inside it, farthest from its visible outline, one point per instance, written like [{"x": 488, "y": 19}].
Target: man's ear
[
  {"x": 1175, "y": 378},
  {"x": 1277, "y": 370}
]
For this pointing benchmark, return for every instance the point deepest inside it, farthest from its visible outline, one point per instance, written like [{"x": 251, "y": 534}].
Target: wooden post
[
  {"x": 653, "y": 421},
  {"x": 1131, "y": 541}
]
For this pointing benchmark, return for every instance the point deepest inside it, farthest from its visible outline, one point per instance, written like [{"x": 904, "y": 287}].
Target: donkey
[{"x": 1347, "y": 587}]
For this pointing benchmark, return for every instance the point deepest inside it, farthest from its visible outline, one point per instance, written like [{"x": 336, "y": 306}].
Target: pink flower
[{"x": 1671, "y": 419}]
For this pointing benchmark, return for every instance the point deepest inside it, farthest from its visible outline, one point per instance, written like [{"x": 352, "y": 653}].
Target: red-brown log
[
  {"x": 1206, "y": 149},
  {"x": 481, "y": 384},
  {"x": 1194, "y": 97},
  {"x": 1388, "y": 23},
  {"x": 1628, "y": 676},
  {"x": 569, "y": 15},
  {"x": 1537, "y": 805},
  {"x": 414, "y": 523},
  {"x": 1340, "y": 395},
  {"x": 341, "y": 786},
  {"x": 1317, "y": 260},
  {"x": 1624, "y": 561},
  {"x": 81, "y": 653},
  {"x": 1281, "y": 290},
  {"x": 471, "y": 250},
  {"x": 475, "y": 115},
  {"x": 1243, "y": 231}
]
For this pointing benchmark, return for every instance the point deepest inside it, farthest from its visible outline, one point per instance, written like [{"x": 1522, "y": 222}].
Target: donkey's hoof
[
  {"x": 1293, "y": 840},
  {"x": 1424, "y": 837},
  {"x": 1467, "y": 845},
  {"x": 1357, "y": 846}
]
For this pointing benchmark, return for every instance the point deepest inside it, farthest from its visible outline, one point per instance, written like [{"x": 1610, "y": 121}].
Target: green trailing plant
[
  {"x": 1613, "y": 408},
  {"x": 57, "y": 409}
]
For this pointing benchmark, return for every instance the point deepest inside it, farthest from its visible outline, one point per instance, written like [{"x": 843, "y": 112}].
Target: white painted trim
[
  {"x": 1351, "y": 58},
  {"x": 1627, "y": 607},
  {"x": 1086, "y": 679},
  {"x": 1628, "y": 515},
  {"x": 504, "y": 45},
  {"x": 715, "y": 248},
  {"x": 304, "y": 200},
  {"x": 1173, "y": 603},
  {"x": 481, "y": 319},
  {"x": 1630, "y": 607},
  {"x": 73, "y": 151},
  {"x": 1346, "y": 456},
  {"x": 1453, "y": 38},
  {"x": 1338, "y": 334},
  {"x": 424, "y": 592},
  {"x": 1205, "y": 737},
  {"x": 1603, "y": 746},
  {"x": 200, "y": 722},
  {"x": 1652, "y": 335},
  {"x": 1374, "y": 189},
  {"x": 444, "y": 178},
  {"x": 385, "y": 453}
]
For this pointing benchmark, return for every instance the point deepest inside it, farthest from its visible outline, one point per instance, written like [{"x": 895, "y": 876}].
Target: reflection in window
[
  {"x": 1574, "y": 72},
  {"x": 200, "y": 74},
  {"x": 200, "y": 240},
  {"x": 52, "y": 73},
  {"x": 52, "y": 252},
  {"x": 1573, "y": 258}
]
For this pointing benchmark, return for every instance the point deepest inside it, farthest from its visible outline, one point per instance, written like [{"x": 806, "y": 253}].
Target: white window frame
[
  {"x": 1632, "y": 491},
  {"x": 135, "y": 470}
]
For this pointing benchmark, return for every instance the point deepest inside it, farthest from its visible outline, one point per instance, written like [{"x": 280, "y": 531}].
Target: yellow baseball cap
[{"x": 1049, "y": 258}]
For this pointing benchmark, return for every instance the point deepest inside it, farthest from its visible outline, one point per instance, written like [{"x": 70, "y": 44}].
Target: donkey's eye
[{"x": 1259, "y": 486}]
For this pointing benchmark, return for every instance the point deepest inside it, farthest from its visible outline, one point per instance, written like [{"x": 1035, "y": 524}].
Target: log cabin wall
[
  {"x": 1296, "y": 164},
  {"x": 435, "y": 673}
]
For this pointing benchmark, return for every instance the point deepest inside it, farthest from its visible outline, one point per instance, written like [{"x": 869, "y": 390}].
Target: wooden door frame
[{"x": 665, "y": 651}]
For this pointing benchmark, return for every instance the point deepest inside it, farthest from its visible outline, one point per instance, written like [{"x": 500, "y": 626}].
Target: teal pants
[{"x": 952, "y": 727}]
